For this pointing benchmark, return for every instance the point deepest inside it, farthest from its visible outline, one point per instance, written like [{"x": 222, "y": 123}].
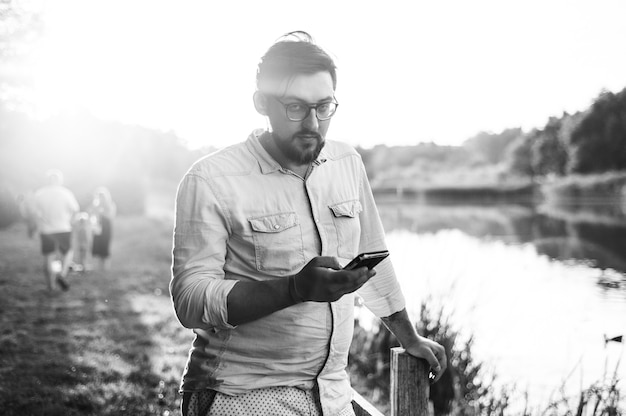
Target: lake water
[{"x": 538, "y": 288}]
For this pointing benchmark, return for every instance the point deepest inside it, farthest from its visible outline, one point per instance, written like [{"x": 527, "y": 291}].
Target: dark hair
[{"x": 293, "y": 54}]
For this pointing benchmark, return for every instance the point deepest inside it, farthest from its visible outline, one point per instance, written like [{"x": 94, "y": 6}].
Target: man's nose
[{"x": 311, "y": 122}]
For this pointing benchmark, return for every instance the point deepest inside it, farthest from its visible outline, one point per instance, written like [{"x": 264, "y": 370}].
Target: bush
[
  {"x": 609, "y": 185},
  {"x": 464, "y": 389}
]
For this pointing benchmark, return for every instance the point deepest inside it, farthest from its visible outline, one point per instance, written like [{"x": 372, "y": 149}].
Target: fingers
[
  {"x": 323, "y": 279},
  {"x": 327, "y": 261},
  {"x": 366, "y": 275},
  {"x": 351, "y": 280},
  {"x": 433, "y": 362},
  {"x": 443, "y": 360},
  {"x": 438, "y": 362}
]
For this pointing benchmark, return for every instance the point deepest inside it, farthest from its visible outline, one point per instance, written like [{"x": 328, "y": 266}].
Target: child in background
[
  {"x": 83, "y": 234},
  {"x": 103, "y": 209}
]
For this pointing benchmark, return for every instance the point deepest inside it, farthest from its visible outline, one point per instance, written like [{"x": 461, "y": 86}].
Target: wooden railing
[{"x": 409, "y": 388}]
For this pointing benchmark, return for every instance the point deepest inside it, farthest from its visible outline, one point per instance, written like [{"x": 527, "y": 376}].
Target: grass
[{"x": 111, "y": 345}]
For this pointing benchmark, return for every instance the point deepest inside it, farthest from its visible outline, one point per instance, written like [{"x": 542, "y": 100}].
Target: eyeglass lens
[{"x": 298, "y": 111}]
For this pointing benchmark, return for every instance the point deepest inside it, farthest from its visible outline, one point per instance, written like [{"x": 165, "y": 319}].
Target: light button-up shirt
[{"x": 241, "y": 217}]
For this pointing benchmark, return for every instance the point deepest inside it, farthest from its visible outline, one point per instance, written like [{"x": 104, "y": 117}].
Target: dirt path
[{"x": 111, "y": 345}]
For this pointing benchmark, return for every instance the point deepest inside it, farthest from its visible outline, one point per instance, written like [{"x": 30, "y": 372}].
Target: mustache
[{"x": 308, "y": 133}]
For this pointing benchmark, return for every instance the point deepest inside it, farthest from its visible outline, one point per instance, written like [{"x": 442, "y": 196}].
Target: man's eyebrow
[{"x": 293, "y": 97}]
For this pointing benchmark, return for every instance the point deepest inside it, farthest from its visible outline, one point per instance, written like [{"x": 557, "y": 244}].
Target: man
[
  {"x": 262, "y": 231},
  {"x": 55, "y": 207}
]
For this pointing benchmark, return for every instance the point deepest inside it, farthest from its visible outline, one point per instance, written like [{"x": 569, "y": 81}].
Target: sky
[{"x": 408, "y": 71}]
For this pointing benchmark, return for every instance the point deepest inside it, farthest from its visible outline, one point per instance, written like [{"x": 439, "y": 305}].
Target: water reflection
[
  {"x": 539, "y": 288},
  {"x": 593, "y": 235}
]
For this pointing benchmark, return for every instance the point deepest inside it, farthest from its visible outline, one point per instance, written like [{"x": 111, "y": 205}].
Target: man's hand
[
  {"x": 432, "y": 352},
  {"x": 323, "y": 280},
  {"x": 416, "y": 345}
]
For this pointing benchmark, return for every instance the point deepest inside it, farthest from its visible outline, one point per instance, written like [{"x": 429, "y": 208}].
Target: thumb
[{"x": 327, "y": 261}]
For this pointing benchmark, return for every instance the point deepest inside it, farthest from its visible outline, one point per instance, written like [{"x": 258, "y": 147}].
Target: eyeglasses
[{"x": 300, "y": 111}]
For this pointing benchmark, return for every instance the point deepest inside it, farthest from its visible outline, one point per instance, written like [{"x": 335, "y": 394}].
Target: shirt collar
[{"x": 265, "y": 160}]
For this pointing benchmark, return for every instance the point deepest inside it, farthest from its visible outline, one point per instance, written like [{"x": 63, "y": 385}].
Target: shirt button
[
  {"x": 317, "y": 220},
  {"x": 276, "y": 226}
]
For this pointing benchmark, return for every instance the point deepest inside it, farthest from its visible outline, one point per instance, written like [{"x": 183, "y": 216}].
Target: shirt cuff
[
  {"x": 215, "y": 304},
  {"x": 382, "y": 294},
  {"x": 387, "y": 306}
]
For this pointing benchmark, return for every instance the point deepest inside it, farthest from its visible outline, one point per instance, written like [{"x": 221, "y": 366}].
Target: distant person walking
[
  {"x": 103, "y": 209},
  {"x": 83, "y": 239},
  {"x": 55, "y": 207}
]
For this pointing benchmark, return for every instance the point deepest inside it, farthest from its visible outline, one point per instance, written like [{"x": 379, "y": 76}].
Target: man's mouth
[{"x": 308, "y": 137}]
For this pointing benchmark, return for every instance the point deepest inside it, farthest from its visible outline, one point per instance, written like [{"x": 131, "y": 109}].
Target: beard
[{"x": 302, "y": 148}]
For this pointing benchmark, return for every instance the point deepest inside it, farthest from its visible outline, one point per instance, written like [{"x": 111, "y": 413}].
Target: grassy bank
[
  {"x": 479, "y": 194},
  {"x": 609, "y": 187},
  {"x": 108, "y": 346}
]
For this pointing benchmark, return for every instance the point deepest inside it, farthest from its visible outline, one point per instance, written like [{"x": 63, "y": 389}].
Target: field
[{"x": 111, "y": 345}]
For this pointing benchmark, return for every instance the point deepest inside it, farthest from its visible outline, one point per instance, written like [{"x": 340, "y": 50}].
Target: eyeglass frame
[{"x": 309, "y": 108}]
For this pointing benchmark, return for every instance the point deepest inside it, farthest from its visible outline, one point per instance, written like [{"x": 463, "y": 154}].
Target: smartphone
[{"x": 368, "y": 260}]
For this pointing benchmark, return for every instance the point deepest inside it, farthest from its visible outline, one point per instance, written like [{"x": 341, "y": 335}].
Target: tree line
[{"x": 587, "y": 142}]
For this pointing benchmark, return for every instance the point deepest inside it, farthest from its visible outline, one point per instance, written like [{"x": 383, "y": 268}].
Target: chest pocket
[
  {"x": 277, "y": 243},
  {"x": 348, "y": 227}
]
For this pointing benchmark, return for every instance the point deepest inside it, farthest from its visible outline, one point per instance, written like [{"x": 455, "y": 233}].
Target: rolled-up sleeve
[
  {"x": 198, "y": 288},
  {"x": 381, "y": 294}
]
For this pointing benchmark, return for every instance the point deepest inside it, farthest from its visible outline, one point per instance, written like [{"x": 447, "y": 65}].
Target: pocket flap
[
  {"x": 274, "y": 223},
  {"x": 347, "y": 209}
]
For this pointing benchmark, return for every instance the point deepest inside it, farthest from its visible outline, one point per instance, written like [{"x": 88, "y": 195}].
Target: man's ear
[{"x": 260, "y": 102}]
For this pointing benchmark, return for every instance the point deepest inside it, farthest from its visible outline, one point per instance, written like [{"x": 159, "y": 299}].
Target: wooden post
[{"x": 410, "y": 386}]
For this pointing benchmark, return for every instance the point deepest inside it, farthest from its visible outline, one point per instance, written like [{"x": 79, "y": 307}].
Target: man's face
[{"x": 300, "y": 141}]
